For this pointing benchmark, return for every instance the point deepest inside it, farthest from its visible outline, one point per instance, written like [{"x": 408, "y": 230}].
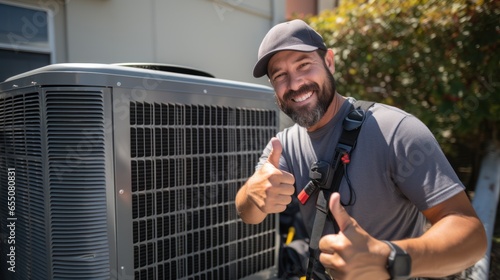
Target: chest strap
[{"x": 325, "y": 177}]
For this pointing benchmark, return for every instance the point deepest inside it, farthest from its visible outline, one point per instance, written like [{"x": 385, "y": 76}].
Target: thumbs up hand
[
  {"x": 352, "y": 253},
  {"x": 269, "y": 188}
]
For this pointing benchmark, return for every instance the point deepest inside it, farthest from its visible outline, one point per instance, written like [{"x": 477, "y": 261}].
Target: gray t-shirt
[{"x": 397, "y": 170}]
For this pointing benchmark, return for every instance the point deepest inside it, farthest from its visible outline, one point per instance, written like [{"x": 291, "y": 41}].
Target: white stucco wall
[{"x": 219, "y": 37}]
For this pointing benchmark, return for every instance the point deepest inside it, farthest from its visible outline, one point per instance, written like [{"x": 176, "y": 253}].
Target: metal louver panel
[
  {"x": 187, "y": 162},
  {"x": 76, "y": 158},
  {"x": 20, "y": 150}
]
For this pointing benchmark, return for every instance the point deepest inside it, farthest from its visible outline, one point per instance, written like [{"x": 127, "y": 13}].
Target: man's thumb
[
  {"x": 341, "y": 216},
  {"x": 275, "y": 154}
]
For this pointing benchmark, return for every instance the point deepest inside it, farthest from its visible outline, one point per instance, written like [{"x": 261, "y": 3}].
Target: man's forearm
[{"x": 451, "y": 245}]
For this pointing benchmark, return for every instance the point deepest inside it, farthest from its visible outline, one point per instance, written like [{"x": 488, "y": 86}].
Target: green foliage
[{"x": 438, "y": 60}]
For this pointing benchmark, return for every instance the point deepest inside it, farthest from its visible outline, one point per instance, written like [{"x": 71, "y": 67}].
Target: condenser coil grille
[
  {"x": 21, "y": 150},
  {"x": 187, "y": 164}
]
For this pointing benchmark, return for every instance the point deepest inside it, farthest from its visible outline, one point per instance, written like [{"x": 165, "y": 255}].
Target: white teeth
[{"x": 303, "y": 97}]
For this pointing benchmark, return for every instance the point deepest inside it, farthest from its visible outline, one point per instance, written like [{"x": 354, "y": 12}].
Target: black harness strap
[{"x": 322, "y": 179}]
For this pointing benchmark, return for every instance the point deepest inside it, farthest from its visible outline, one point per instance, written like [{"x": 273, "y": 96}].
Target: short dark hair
[{"x": 321, "y": 53}]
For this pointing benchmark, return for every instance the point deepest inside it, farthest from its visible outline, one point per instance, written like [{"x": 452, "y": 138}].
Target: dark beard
[{"x": 307, "y": 117}]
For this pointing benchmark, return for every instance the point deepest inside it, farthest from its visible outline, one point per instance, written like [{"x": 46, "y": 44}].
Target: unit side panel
[
  {"x": 23, "y": 217},
  {"x": 52, "y": 138}
]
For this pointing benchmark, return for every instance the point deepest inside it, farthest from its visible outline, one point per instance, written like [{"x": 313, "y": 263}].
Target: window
[{"x": 25, "y": 39}]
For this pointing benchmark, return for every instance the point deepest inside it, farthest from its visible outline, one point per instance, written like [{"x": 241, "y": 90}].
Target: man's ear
[{"x": 330, "y": 60}]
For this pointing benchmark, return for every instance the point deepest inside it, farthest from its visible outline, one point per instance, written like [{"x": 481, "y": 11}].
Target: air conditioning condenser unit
[{"x": 114, "y": 172}]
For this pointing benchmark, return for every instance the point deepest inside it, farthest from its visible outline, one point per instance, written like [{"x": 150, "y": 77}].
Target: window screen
[{"x": 24, "y": 39}]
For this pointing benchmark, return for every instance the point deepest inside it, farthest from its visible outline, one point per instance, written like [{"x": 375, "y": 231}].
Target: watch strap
[{"x": 398, "y": 262}]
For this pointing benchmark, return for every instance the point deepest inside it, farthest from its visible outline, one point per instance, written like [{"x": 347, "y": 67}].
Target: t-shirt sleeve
[
  {"x": 267, "y": 151},
  {"x": 419, "y": 167},
  {"x": 264, "y": 156}
]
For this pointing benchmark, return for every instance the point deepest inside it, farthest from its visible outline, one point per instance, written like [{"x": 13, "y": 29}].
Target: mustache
[{"x": 303, "y": 89}]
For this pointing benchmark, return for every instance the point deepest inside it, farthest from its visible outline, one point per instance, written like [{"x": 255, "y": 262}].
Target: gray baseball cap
[{"x": 293, "y": 35}]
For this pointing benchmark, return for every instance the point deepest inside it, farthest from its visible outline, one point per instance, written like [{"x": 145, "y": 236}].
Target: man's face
[{"x": 303, "y": 84}]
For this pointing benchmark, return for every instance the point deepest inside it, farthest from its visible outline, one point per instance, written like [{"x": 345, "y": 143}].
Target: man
[{"x": 397, "y": 181}]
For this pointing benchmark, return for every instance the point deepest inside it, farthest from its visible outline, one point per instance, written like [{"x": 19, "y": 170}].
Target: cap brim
[{"x": 260, "y": 68}]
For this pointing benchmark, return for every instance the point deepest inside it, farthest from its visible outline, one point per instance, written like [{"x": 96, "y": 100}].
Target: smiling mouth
[{"x": 302, "y": 97}]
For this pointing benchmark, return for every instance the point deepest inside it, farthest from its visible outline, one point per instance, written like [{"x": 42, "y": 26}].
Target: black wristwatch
[{"x": 398, "y": 262}]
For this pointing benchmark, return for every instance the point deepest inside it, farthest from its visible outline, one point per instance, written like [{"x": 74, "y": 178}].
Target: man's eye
[
  {"x": 305, "y": 64},
  {"x": 279, "y": 77}
]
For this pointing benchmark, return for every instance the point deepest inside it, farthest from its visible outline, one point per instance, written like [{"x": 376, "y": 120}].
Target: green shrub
[{"x": 438, "y": 60}]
